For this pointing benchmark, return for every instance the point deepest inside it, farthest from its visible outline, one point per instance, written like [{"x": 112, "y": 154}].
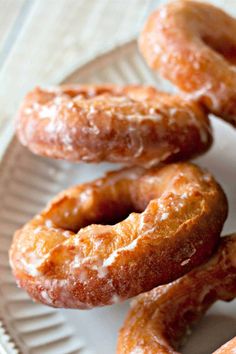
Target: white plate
[{"x": 27, "y": 182}]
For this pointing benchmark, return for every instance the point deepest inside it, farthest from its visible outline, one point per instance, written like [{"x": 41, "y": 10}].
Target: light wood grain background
[{"x": 43, "y": 40}]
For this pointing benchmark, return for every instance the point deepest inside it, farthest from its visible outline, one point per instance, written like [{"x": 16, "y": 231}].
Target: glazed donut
[
  {"x": 78, "y": 253},
  {"x": 133, "y": 124},
  {"x": 160, "y": 319},
  {"x": 193, "y": 45}
]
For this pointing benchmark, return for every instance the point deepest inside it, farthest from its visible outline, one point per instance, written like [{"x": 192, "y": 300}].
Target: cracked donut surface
[
  {"x": 193, "y": 45},
  {"x": 105, "y": 241},
  {"x": 134, "y": 125},
  {"x": 160, "y": 319}
]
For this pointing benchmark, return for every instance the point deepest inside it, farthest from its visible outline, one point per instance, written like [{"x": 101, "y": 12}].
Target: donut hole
[
  {"x": 114, "y": 201},
  {"x": 224, "y": 46},
  {"x": 110, "y": 213},
  {"x": 104, "y": 209}
]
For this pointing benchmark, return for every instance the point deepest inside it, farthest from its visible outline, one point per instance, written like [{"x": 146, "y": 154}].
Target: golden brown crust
[
  {"x": 175, "y": 217},
  {"x": 159, "y": 319},
  {"x": 227, "y": 348},
  {"x": 193, "y": 45},
  {"x": 135, "y": 125}
]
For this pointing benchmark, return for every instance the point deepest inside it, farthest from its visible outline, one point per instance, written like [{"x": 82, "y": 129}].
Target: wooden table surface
[{"x": 41, "y": 41}]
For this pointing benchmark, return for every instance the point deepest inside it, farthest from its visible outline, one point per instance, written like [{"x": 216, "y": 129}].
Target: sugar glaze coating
[
  {"x": 135, "y": 125},
  {"x": 113, "y": 238},
  {"x": 193, "y": 44},
  {"x": 160, "y": 319}
]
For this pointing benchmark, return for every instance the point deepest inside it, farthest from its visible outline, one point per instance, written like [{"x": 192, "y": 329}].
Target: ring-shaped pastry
[
  {"x": 113, "y": 238},
  {"x": 160, "y": 319},
  {"x": 193, "y": 44},
  {"x": 134, "y": 125}
]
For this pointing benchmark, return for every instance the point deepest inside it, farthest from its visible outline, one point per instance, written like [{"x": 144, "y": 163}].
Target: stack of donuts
[{"x": 152, "y": 228}]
